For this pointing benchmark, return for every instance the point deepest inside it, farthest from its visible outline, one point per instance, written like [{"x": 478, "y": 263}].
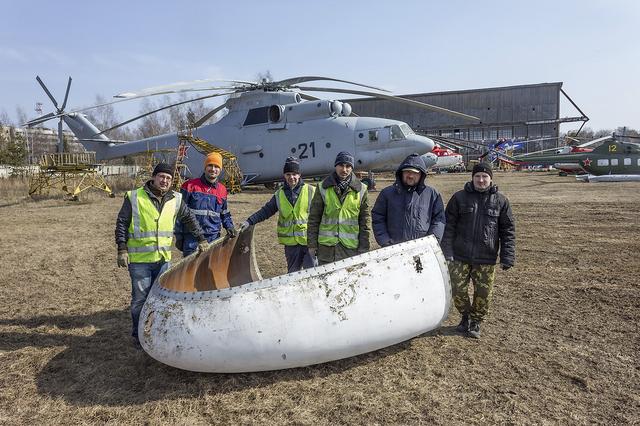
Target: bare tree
[
  {"x": 602, "y": 132},
  {"x": 105, "y": 117},
  {"x": 5, "y": 120},
  {"x": 264, "y": 76},
  {"x": 154, "y": 124},
  {"x": 626, "y": 131},
  {"x": 22, "y": 115}
]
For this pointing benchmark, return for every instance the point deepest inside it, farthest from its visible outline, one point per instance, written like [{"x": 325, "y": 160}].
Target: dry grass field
[{"x": 561, "y": 344}]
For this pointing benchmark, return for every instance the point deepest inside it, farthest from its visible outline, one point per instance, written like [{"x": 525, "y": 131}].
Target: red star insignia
[{"x": 586, "y": 162}]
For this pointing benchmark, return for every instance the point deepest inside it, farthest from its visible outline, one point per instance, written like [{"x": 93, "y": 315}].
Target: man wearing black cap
[
  {"x": 144, "y": 235},
  {"x": 339, "y": 219},
  {"x": 292, "y": 201},
  {"x": 480, "y": 226},
  {"x": 409, "y": 208}
]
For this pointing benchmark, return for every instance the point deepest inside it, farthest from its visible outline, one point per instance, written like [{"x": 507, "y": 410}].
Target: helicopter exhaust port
[{"x": 276, "y": 113}]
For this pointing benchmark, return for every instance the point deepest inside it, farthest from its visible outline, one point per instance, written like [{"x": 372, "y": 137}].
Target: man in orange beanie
[{"x": 207, "y": 199}]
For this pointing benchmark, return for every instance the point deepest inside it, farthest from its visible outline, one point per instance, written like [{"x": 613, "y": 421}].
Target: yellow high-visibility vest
[
  {"x": 340, "y": 220},
  {"x": 151, "y": 231},
  {"x": 292, "y": 220}
]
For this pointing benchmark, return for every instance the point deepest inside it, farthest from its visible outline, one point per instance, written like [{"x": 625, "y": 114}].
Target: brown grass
[{"x": 560, "y": 346}]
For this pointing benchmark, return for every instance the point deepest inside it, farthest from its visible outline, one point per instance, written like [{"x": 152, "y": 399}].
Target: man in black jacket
[{"x": 479, "y": 227}]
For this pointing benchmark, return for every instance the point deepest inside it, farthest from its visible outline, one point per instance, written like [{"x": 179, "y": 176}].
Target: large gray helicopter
[{"x": 265, "y": 123}]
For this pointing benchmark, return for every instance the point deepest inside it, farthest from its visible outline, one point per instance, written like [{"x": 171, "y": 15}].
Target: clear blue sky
[{"x": 405, "y": 46}]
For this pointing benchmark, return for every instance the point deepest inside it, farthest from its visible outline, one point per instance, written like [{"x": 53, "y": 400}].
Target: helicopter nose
[{"x": 422, "y": 144}]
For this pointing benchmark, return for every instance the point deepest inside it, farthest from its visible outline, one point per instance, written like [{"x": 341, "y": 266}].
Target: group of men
[{"x": 323, "y": 224}]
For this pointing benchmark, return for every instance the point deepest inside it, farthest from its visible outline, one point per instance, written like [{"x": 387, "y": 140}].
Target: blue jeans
[{"x": 143, "y": 276}]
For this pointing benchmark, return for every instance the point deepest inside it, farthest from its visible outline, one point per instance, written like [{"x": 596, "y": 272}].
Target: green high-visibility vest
[
  {"x": 151, "y": 231},
  {"x": 340, "y": 220},
  {"x": 292, "y": 220}
]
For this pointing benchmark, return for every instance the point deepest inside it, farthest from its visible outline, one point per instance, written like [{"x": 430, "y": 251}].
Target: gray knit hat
[{"x": 344, "y": 157}]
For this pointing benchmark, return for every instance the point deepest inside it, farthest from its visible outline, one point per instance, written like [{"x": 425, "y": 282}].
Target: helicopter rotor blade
[
  {"x": 66, "y": 94},
  {"x": 208, "y": 115},
  {"x": 604, "y": 138},
  {"x": 144, "y": 96},
  {"x": 40, "y": 119},
  {"x": 296, "y": 80},
  {"x": 55, "y": 104},
  {"x": 182, "y": 86},
  {"x": 158, "y": 110},
  {"x": 392, "y": 98}
]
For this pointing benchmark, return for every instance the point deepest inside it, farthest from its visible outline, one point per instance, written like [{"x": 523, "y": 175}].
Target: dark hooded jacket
[
  {"x": 479, "y": 226},
  {"x": 404, "y": 213}
]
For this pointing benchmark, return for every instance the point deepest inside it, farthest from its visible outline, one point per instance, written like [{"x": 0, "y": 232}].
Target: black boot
[
  {"x": 463, "y": 327},
  {"x": 474, "y": 329}
]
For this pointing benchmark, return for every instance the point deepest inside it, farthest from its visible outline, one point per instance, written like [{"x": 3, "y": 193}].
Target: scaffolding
[
  {"x": 232, "y": 175},
  {"x": 71, "y": 173}
]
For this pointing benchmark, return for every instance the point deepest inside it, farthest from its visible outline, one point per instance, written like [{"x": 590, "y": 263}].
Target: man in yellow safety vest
[
  {"x": 144, "y": 235},
  {"x": 292, "y": 202},
  {"x": 339, "y": 218}
]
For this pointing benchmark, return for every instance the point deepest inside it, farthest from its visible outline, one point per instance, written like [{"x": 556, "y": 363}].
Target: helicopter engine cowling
[
  {"x": 296, "y": 113},
  {"x": 346, "y": 109}
]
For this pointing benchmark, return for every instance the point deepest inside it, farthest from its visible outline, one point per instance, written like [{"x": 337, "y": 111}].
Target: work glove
[
  {"x": 179, "y": 244},
  {"x": 244, "y": 226},
  {"x": 123, "y": 259},
  {"x": 506, "y": 267},
  {"x": 202, "y": 246},
  {"x": 232, "y": 233}
]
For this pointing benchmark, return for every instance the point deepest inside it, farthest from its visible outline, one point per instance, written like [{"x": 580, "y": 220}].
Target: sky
[{"x": 420, "y": 46}]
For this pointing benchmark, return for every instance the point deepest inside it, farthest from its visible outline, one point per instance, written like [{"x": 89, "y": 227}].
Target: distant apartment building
[{"x": 40, "y": 140}]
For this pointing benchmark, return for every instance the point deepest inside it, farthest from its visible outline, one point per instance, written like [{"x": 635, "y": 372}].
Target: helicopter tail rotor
[{"x": 60, "y": 113}]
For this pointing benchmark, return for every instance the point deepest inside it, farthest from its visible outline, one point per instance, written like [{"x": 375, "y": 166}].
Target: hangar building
[{"x": 526, "y": 112}]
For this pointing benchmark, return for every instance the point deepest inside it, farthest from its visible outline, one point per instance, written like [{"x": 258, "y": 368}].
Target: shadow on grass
[{"x": 105, "y": 369}]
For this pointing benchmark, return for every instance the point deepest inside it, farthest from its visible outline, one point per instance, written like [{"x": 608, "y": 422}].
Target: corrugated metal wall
[{"x": 504, "y": 112}]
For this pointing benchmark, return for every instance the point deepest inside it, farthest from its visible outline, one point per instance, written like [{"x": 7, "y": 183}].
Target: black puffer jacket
[
  {"x": 479, "y": 226},
  {"x": 404, "y": 213}
]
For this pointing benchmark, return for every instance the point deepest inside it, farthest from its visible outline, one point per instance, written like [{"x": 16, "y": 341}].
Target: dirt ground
[{"x": 561, "y": 343}]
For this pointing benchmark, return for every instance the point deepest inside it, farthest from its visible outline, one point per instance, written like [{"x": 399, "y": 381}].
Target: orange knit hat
[{"x": 213, "y": 158}]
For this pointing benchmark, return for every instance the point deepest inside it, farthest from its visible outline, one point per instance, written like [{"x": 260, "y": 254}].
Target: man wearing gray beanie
[
  {"x": 339, "y": 218},
  {"x": 480, "y": 227}
]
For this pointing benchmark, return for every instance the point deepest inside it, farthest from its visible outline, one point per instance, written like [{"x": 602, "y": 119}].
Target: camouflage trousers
[{"x": 482, "y": 277}]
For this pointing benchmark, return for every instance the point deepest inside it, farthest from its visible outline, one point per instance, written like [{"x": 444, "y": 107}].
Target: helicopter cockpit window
[
  {"x": 257, "y": 116},
  {"x": 373, "y": 135},
  {"x": 396, "y": 133},
  {"x": 406, "y": 129}
]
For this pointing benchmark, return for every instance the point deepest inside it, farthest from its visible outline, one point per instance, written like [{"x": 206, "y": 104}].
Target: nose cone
[
  {"x": 422, "y": 144},
  {"x": 430, "y": 159}
]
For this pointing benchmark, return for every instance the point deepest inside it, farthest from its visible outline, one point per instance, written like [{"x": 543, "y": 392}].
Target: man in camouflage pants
[{"x": 479, "y": 226}]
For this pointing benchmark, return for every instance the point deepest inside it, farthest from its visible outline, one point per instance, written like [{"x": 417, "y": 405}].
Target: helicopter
[
  {"x": 266, "y": 122},
  {"x": 614, "y": 161}
]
